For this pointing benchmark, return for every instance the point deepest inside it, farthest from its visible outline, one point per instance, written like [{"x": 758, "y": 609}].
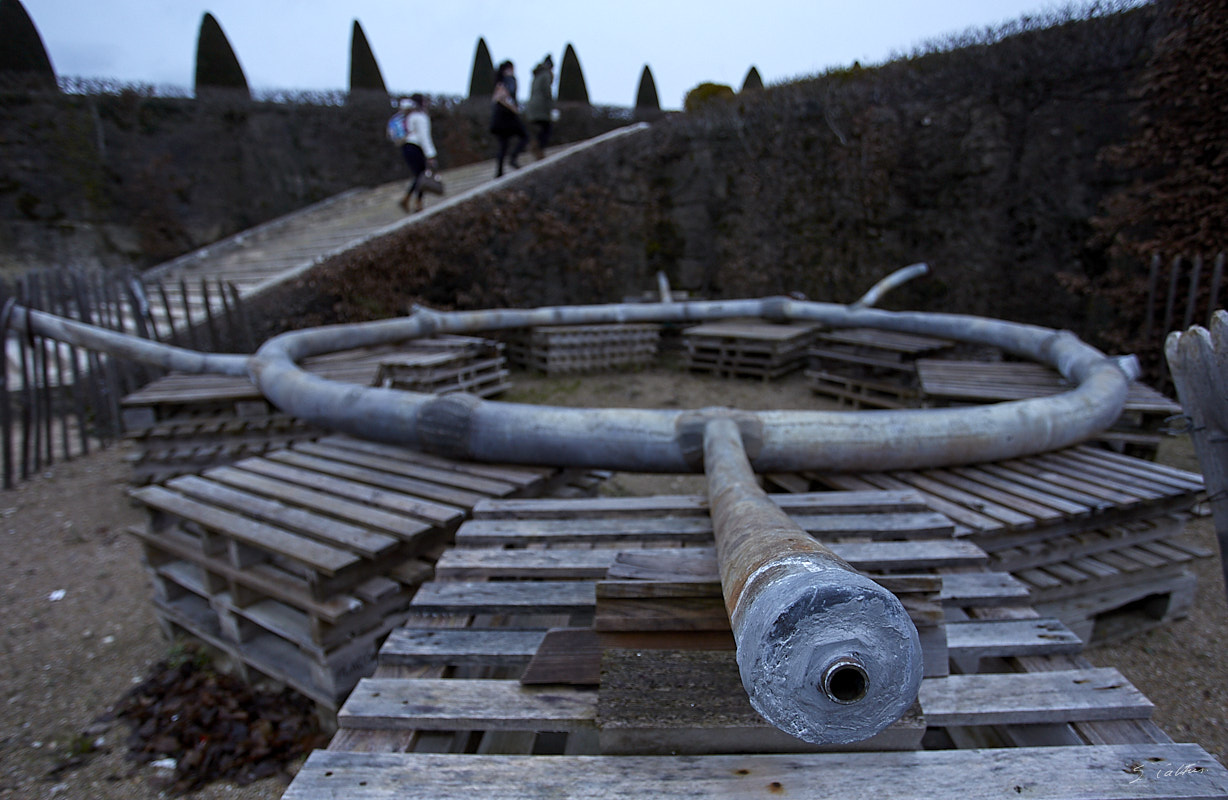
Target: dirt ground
[{"x": 77, "y": 628}]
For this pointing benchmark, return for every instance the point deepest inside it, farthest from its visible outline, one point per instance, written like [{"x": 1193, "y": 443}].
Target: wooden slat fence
[
  {"x": 60, "y": 401},
  {"x": 1181, "y": 292}
]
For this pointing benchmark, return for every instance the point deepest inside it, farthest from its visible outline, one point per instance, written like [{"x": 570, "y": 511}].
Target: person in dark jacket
[
  {"x": 505, "y": 122},
  {"x": 540, "y": 108}
]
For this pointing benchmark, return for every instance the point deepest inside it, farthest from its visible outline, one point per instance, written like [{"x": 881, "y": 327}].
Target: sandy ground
[{"x": 77, "y": 628}]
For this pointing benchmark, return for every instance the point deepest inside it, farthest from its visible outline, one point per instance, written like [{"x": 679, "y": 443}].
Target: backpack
[{"x": 398, "y": 128}]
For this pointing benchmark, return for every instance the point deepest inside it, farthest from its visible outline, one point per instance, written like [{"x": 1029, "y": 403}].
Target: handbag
[{"x": 429, "y": 182}]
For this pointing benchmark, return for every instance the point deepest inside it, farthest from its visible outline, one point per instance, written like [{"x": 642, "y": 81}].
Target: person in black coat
[{"x": 505, "y": 121}]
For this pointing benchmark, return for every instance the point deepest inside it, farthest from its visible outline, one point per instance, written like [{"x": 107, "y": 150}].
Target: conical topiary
[
  {"x": 571, "y": 79},
  {"x": 752, "y": 80},
  {"x": 646, "y": 96},
  {"x": 216, "y": 64},
  {"x": 21, "y": 46},
  {"x": 482, "y": 79},
  {"x": 364, "y": 70}
]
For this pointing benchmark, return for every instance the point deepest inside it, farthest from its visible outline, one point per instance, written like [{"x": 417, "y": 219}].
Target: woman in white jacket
[{"x": 417, "y": 148}]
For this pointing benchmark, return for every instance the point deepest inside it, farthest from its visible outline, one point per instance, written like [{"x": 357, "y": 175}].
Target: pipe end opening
[{"x": 845, "y": 682}]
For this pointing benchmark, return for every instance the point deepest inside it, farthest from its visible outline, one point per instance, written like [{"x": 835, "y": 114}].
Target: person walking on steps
[
  {"x": 540, "y": 108},
  {"x": 417, "y": 147},
  {"x": 505, "y": 122}
]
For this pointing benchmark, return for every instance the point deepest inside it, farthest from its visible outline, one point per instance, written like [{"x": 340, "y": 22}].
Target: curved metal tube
[
  {"x": 663, "y": 288},
  {"x": 463, "y": 426},
  {"x": 640, "y": 440},
  {"x": 897, "y": 278},
  {"x": 825, "y": 654},
  {"x": 124, "y": 346}
]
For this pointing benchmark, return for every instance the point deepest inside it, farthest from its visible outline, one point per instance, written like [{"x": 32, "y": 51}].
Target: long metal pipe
[
  {"x": 122, "y": 345},
  {"x": 650, "y": 440},
  {"x": 825, "y": 654},
  {"x": 463, "y": 426}
]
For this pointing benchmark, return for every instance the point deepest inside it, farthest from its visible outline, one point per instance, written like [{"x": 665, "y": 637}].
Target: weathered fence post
[{"x": 1198, "y": 360}]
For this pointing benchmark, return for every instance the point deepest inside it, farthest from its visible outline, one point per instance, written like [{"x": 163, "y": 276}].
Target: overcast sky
[{"x": 429, "y": 46}]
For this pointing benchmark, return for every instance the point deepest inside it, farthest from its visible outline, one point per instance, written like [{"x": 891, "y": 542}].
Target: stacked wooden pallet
[
  {"x": 448, "y": 364},
  {"x": 748, "y": 348},
  {"x": 181, "y": 424},
  {"x": 944, "y": 383},
  {"x": 577, "y": 650},
  {"x": 584, "y": 348},
  {"x": 297, "y": 563},
  {"x": 863, "y": 367},
  {"x": 1091, "y": 532}
]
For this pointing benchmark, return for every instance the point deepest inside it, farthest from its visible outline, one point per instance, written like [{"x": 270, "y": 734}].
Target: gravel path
[{"x": 78, "y": 628}]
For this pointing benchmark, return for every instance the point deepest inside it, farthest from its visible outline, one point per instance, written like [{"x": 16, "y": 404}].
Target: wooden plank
[
  {"x": 1039, "y": 773},
  {"x": 328, "y": 530},
  {"x": 1131, "y": 481},
  {"x": 665, "y": 564},
  {"x": 1010, "y": 637},
  {"x": 457, "y": 704},
  {"x": 754, "y": 330},
  {"x": 1085, "y": 543},
  {"x": 464, "y": 562},
  {"x": 400, "y": 495},
  {"x": 1163, "y": 479},
  {"x": 1094, "y": 481},
  {"x": 928, "y": 524},
  {"x": 1031, "y": 698},
  {"x": 699, "y": 594},
  {"x": 1020, "y": 489},
  {"x": 1059, "y": 478},
  {"x": 594, "y": 563},
  {"x": 417, "y": 516},
  {"x": 317, "y": 556},
  {"x": 521, "y": 477},
  {"x": 843, "y": 502},
  {"x": 1184, "y": 479},
  {"x": 908, "y": 343},
  {"x": 1046, "y": 482},
  {"x": 1006, "y": 516},
  {"x": 464, "y": 647},
  {"x": 505, "y": 597},
  {"x": 1039, "y": 512},
  {"x": 406, "y": 468},
  {"x": 497, "y": 532},
  {"x": 182, "y": 389},
  {"x": 982, "y": 589},
  {"x": 660, "y": 606},
  {"x": 959, "y": 513},
  {"x": 491, "y": 532}
]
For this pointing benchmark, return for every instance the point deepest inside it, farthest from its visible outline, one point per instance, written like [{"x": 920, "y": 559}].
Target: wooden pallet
[
  {"x": 1113, "y": 613},
  {"x": 297, "y": 563},
  {"x": 943, "y": 382},
  {"x": 862, "y": 391},
  {"x": 460, "y": 364},
  {"x": 570, "y": 695},
  {"x": 182, "y": 424},
  {"x": 183, "y": 395},
  {"x": 189, "y": 444},
  {"x": 867, "y": 368},
  {"x": 1075, "y": 524},
  {"x": 584, "y": 348},
  {"x": 1010, "y": 503},
  {"x": 747, "y": 348}
]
